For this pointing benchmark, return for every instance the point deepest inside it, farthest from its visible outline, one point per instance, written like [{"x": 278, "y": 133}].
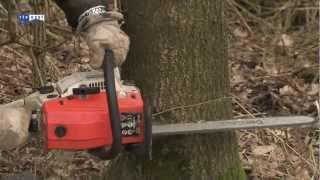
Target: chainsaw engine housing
[{"x": 82, "y": 122}]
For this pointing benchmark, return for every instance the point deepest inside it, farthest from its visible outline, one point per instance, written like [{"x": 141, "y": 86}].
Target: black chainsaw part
[
  {"x": 34, "y": 125},
  {"x": 60, "y": 131},
  {"x": 147, "y": 130},
  {"x": 144, "y": 149},
  {"x": 107, "y": 153},
  {"x": 46, "y": 89},
  {"x": 51, "y": 96},
  {"x": 85, "y": 90}
]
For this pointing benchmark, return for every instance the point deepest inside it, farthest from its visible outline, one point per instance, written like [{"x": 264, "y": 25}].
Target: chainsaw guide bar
[
  {"x": 73, "y": 113},
  {"x": 205, "y": 127},
  {"x": 95, "y": 79}
]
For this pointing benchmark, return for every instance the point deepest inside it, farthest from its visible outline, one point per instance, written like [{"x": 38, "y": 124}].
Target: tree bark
[
  {"x": 38, "y": 32},
  {"x": 15, "y": 116},
  {"x": 178, "y": 57},
  {"x": 11, "y": 7}
]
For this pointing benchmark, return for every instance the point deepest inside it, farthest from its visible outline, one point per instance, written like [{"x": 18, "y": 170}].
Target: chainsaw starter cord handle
[{"x": 112, "y": 100}]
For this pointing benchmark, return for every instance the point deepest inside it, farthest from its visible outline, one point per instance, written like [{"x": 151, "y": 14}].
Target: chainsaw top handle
[{"x": 113, "y": 108}]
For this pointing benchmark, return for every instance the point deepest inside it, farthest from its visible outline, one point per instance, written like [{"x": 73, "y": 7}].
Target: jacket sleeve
[{"x": 74, "y": 8}]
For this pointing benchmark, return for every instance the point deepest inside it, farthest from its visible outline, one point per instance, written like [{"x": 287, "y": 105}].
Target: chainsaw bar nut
[{"x": 60, "y": 131}]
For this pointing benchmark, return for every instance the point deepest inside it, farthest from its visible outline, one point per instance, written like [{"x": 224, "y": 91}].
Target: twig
[
  {"x": 241, "y": 17},
  {"x": 234, "y": 98},
  {"x": 189, "y": 106},
  {"x": 293, "y": 150},
  {"x": 58, "y": 45},
  {"x": 283, "y": 142},
  {"x": 6, "y": 42},
  {"x": 246, "y": 115},
  {"x": 3, "y": 9},
  {"x": 258, "y": 19},
  {"x": 14, "y": 51},
  {"x": 36, "y": 67}
]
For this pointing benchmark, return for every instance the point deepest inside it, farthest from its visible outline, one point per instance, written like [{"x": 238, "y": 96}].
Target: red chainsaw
[
  {"x": 93, "y": 118},
  {"x": 89, "y": 115},
  {"x": 83, "y": 111}
]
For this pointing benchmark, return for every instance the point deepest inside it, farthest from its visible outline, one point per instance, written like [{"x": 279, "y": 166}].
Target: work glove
[
  {"x": 107, "y": 35},
  {"x": 101, "y": 33},
  {"x": 100, "y": 27},
  {"x": 104, "y": 33}
]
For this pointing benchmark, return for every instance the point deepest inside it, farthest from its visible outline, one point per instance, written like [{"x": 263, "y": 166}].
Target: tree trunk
[
  {"x": 38, "y": 32},
  {"x": 178, "y": 58},
  {"x": 11, "y": 7}
]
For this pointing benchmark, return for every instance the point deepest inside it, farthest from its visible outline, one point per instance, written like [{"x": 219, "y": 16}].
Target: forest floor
[{"x": 274, "y": 71}]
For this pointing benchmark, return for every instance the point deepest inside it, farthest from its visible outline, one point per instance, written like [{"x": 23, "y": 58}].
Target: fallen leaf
[
  {"x": 262, "y": 150},
  {"x": 285, "y": 40},
  {"x": 238, "y": 32},
  {"x": 287, "y": 90}
]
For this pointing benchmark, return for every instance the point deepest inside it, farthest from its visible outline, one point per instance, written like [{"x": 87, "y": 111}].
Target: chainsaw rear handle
[{"x": 112, "y": 100}]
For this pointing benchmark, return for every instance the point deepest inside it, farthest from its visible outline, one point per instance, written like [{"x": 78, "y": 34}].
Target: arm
[
  {"x": 74, "y": 8},
  {"x": 100, "y": 30}
]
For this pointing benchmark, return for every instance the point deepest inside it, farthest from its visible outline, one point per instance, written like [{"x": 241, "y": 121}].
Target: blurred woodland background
[{"x": 274, "y": 53}]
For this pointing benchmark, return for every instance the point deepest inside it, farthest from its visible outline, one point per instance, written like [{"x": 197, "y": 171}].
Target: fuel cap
[{"x": 60, "y": 131}]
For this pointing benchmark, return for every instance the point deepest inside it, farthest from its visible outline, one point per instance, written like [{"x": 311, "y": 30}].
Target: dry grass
[{"x": 275, "y": 67}]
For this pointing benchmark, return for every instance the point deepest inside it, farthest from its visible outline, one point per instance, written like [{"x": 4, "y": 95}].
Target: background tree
[
  {"x": 179, "y": 59},
  {"x": 38, "y": 51},
  {"x": 31, "y": 36},
  {"x": 10, "y": 7}
]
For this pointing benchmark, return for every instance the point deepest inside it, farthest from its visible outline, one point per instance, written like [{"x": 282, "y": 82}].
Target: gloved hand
[
  {"x": 99, "y": 27},
  {"x": 102, "y": 35}
]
